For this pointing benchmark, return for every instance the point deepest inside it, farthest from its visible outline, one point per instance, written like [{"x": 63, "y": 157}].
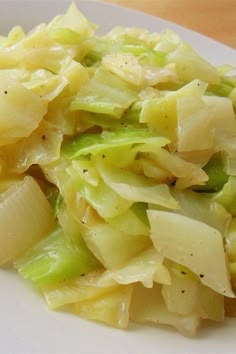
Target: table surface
[{"x": 214, "y": 18}]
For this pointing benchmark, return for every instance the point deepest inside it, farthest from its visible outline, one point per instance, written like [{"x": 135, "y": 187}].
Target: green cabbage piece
[
  {"x": 56, "y": 259},
  {"x": 100, "y": 46},
  {"x": 129, "y": 119},
  {"x": 223, "y": 89},
  {"x": 97, "y": 143},
  {"x": 230, "y": 246},
  {"x": 227, "y": 196},
  {"x": 146, "y": 55},
  {"x": 55, "y": 199},
  {"x": 217, "y": 176}
]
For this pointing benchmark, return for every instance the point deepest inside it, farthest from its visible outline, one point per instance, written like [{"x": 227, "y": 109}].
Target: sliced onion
[{"x": 25, "y": 217}]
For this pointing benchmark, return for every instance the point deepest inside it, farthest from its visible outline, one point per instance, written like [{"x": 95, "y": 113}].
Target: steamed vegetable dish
[{"x": 118, "y": 173}]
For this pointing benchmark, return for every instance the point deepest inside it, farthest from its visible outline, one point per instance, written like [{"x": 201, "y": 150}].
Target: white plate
[{"x": 26, "y": 325}]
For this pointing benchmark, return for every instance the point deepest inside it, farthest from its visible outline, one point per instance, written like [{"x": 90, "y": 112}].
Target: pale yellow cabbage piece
[
  {"x": 202, "y": 208},
  {"x": 223, "y": 119},
  {"x": 125, "y": 66},
  {"x": 36, "y": 50},
  {"x": 25, "y": 217},
  {"x": 148, "y": 306},
  {"x": 112, "y": 308},
  {"x": 14, "y": 36},
  {"x": 73, "y": 25},
  {"x": 129, "y": 220},
  {"x": 112, "y": 247},
  {"x": 167, "y": 41},
  {"x": 45, "y": 84},
  {"x": 156, "y": 75},
  {"x": 75, "y": 74},
  {"x": 40, "y": 81},
  {"x": 229, "y": 151},
  {"x": 75, "y": 290},
  {"x": 231, "y": 241},
  {"x": 41, "y": 147},
  {"x": 133, "y": 187},
  {"x": 33, "y": 51},
  {"x": 133, "y": 35},
  {"x": 20, "y": 110},
  {"x": 186, "y": 295},
  {"x": 147, "y": 267},
  {"x": 78, "y": 167},
  {"x": 59, "y": 115},
  {"x": 151, "y": 169},
  {"x": 205, "y": 123},
  {"x": 92, "y": 301},
  {"x": 197, "y": 157},
  {"x": 231, "y": 250},
  {"x": 233, "y": 97},
  {"x": 189, "y": 65},
  {"x": 187, "y": 173},
  {"x": 160, "y": 114},
  {"x": 195, "y": 128},
  {"x": 193, "y": 244}
]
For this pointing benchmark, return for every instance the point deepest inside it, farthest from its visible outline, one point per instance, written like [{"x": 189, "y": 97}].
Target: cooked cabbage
[{"x": 118, "y": 173}]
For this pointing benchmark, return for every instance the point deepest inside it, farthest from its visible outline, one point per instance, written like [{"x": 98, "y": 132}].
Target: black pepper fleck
[
  {"x": 103, "y": 156},
  {"x": 43, "y": 137},
  {"x": 5, "y": 92},
  {"x": 85, "y": 170},
  {"x": 201, "y": 275},
  {"x": 183, "y": 291},
  {"x": 182, "y": 272}
]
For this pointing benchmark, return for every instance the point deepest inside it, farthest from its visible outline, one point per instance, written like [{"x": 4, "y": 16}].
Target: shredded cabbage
[{"x": 118, "y": 173}]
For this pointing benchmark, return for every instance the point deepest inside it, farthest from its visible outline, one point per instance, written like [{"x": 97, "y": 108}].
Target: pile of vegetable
[{"x": 118, "y": 173}]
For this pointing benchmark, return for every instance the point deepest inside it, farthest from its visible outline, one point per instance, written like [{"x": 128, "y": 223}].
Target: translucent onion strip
[{"x": 25, "y": 217}]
